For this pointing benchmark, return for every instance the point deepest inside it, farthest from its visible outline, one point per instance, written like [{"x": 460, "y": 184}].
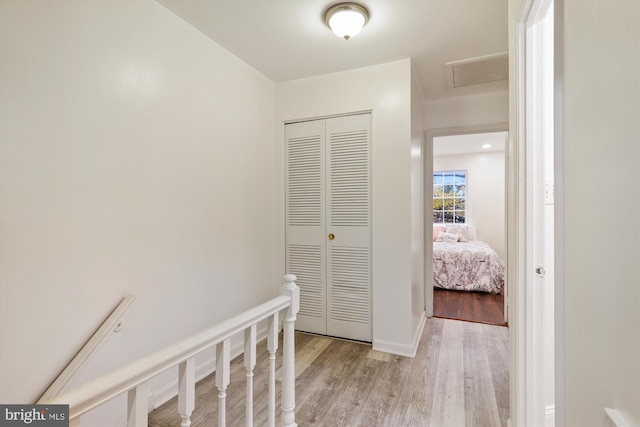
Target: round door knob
[{"x": 331, "y": 236}]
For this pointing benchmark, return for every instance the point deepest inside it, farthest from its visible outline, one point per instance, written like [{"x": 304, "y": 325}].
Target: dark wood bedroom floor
[{"x": 478, "y": 307}]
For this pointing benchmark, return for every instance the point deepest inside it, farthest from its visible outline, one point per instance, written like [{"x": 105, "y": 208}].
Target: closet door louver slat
[
  {"x": 349, "y": 178},
  {"x": 328, "y": 193},
  {"x": 349, "y": 291},
  {"x": 306, "y": 262},
  {"x": 304, "y": 174},
  {"x": 305, "y": 222},
  {"x": 348, "y": 217}
]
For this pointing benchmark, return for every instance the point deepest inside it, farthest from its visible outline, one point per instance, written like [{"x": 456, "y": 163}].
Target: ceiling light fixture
[
  {"x": 486, "y": 146},
  {"x": 346, "y": 19}
]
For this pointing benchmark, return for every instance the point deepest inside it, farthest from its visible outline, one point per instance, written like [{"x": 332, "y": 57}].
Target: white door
[
  {"x": 328, "y": 224},
  {"x": 348, "y": 221},
  {"x": 305, "y": 216},
  {"x": 533, "y": 338}
]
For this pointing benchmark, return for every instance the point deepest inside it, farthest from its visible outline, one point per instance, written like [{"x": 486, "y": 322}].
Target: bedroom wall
[
  {"x": 601, "y": 156},
  {"x": 136, "y": 157},
  {"x": 385, "y": 90},
  {"x": 486, "y": 187}
]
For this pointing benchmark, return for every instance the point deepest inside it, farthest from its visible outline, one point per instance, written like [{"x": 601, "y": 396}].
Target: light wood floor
[{"x": 458, "y": 378}]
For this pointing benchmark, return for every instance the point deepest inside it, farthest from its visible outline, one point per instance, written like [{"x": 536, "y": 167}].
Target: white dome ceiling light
[{"x": 346, "y": 19}]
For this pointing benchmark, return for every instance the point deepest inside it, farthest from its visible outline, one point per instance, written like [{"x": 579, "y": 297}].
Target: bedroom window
[{"x": 449, "y": 196}]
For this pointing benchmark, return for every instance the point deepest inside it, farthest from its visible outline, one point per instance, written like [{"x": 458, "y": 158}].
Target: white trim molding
[
  {"x": 428, "y": 191},
  {"x": 550, "y": 416},
  {"x": 401, "y": 349},
  {"x": 559, "y": 216},
  {"x": 112, "y": 324},
  {"x": 527, "y": 401},
  {"x": 613, "y": 418}
]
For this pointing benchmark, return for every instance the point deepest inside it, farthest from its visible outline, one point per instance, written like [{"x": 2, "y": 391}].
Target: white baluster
[
  {"x": 288, "y": 400},
  {"x": 186, "y": 390},
  {"x": 272, "y": 346},
  {"x": 223, "y": 360},
  {"x": 249, "y": 364},
  {"x": 138, "y": 406}
]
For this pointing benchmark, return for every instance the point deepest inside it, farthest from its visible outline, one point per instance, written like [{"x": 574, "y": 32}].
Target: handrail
[
  {"x": 81, "y": 358},
  {"x": 87, "y": 396}
]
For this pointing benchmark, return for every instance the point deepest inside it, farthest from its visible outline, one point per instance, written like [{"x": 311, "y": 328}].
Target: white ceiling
[
  {"x": 469, "y": 143},
  {"x": 287, "y": 39}
]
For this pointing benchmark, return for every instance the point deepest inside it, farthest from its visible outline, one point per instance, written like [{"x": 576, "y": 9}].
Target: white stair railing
[
  {"x": 69, "y": 373},
  {"x": 133, "y": 378}
]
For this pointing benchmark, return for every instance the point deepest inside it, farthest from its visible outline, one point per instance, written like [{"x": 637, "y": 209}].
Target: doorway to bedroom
[{"x": 469, "y": 226}]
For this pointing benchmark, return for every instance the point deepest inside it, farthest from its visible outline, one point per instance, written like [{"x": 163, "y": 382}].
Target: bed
[{"x": 461, "y": 262}]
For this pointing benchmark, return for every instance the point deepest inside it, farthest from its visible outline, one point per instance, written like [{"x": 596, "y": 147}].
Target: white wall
[
  {"x": 419, "y": 250},
  {"x": 386, "y": 91},
  {"x": 486, "y": 194},
  {"x": 601, "y": 164},
  {"x": 470, "y": 110},
  {"x": 136, "y": 158}
]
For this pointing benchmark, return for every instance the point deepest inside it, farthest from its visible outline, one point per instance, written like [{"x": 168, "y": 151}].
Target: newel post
[{"x": 288, "y": 401}]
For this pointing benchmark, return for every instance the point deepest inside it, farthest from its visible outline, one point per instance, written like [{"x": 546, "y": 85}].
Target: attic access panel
[{"x": 478, "y": 70}]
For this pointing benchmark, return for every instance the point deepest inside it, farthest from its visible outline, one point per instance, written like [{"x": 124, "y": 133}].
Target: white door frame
[
  {"x": 526, "y": 368},
  {"x": 428, "y": 199},
  {"x": 558, "y": 212}
]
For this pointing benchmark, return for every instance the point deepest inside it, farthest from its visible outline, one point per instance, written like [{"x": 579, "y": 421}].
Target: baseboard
[
  {"x": 550, "y": 416},
  {"x": 418, "y": 334},
  {"x": 613, "y": 418},
  {"x": 402, "y": 349},
  {"x": 168, "y": 391}
]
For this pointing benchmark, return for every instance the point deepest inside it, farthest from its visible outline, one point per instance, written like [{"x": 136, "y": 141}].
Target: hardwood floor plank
[
  {"x": 448, "y": 401},
  {"x": 480, "y": 399},
  {"x": 381, "y": 391},
  {"x": 313, "y": 347},
  {"x": 421, "y": 385},
  {"x": 335, "y": 377},
  {"x": 375, "y": 404},
  {"x": 459, "y": 377},
  {"x": 348, "y": 401},
  {"x": 497, "y": 345}
]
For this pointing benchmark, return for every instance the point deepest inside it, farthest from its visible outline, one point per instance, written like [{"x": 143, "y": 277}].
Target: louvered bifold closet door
[
  {"x": 349, "y": 220},
  {"x": 305, "y": 220}
]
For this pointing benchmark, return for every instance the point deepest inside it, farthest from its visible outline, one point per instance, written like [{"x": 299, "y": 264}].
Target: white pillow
[
  {"x": 466, "y": 231},
  {"x": 443, "y": 236},
  {"x": 437, "y": 228}
]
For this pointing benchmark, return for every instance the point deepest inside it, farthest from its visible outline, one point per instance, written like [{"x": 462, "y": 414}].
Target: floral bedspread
[{"x": 467, "y": 266}]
